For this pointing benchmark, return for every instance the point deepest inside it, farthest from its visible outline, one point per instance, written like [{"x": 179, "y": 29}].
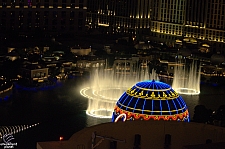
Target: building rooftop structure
[{"x": 152, "y": 134}]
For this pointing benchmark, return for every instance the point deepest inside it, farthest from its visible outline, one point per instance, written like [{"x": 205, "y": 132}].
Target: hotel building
[
  {"x": 50, "y": 16},
  {"x": 205, "y": 20},
  {"x": 194, "y": 21},
  {"x": 116, "y": 16}
]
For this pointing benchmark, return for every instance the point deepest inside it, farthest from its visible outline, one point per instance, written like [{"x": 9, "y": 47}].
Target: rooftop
[{"x": 152, "y": 135}]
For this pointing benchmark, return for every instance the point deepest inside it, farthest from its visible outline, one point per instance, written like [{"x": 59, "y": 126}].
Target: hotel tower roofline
[{"x": 203, "y": 21}]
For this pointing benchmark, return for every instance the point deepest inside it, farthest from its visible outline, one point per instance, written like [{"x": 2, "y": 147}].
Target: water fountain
[
  {"x": 187, "y": 79},
  {"x": 107, "y": 85},
  {"x": 10, "y": 130}
]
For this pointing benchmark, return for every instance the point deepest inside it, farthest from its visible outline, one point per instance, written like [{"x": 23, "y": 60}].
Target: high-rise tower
[
  {"x": 202, "y": 21},
  {"x": 205, "y": 21},
  {"x": 52, "y": 16},
  {"x": 167, "y": 19},
  {"x": 115, "y": 16}
]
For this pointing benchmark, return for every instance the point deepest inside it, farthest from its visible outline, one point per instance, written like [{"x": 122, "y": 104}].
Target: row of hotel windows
[
  {"x": 172, "y": 11},
  {"x": 126, "y": 22},
  {"x": 118, "y": 21},
  {"x": 43, "y": 22},
  {"x": 170, "y": 2},
  {"x": 113, "y": 18},
  {"x": 32, "y": 14},
  {"x": 218, "y": 35},
  {"x": 215, "y": 5},
  {"x": 219, "y": 45},
  {"x": 172, "y": 18},
  {"x": 45, "y": 5},
  {"x": 218, "y": 1},
  {"x": 42, "y": 4},
  {"x": 41, "y": 1},
  {"x": 44, "y": 28},
  {"x": 216, "y": 22},
  {"x": 204, "y": 36},
  {"x": 59, "y": 1},
  {"x": 171, "y": 26},
  {"x": 217, "y": 17},
  {"x": 193, "y": 32}
]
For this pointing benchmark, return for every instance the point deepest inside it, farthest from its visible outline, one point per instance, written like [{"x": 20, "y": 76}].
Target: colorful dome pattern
[{"x": 150, "y": 100}]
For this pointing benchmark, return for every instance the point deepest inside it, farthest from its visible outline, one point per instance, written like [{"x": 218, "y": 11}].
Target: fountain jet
[
  {"x": 107, "y": 85},
  {"x": 187, "y": 79},
  {"x": 10, "y": 130}
]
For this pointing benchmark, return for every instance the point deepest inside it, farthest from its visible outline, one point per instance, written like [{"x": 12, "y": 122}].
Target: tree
[
  {"x": 220, "y": 113},
  {"x": 11, "y": 68},
  {"x": 201, "y": 114}
]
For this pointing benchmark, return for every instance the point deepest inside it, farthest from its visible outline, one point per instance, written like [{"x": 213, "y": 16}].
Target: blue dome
[{"x": 151, "y": 100}]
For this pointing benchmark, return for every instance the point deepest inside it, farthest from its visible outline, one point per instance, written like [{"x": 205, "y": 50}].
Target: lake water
[{"x": 61, "y": 111}]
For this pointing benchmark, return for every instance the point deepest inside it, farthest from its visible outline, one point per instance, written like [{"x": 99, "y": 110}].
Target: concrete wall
[{"x": 152, "y": 135}]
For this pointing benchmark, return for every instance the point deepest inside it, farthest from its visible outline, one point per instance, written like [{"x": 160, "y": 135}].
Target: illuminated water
[
  {"x": 187, "y": 79},
  {"x": 62, "y": 111},
  {"x": 12, "y": 130},
  {"x": 106, "y": 86}
]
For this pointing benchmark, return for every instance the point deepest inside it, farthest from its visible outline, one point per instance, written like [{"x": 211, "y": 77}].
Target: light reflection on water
[
  {"x": 211, "y": 97},
  {"x": 61, "y": 111},
  {"x": 91, "y": 121}
]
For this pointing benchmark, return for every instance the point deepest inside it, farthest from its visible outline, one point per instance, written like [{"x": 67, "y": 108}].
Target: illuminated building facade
[
  {"x": 116, "y": 16},
  {"x": 198, "y": 21},
  {"x": 150, "y": 100},
  {"x": 34, "y": 72},
  {"x": 205, "y": 20},
  {"x": 168, "y": 17},
  {"x": 64, "y": 16},
  {"x": 202, "y": 21}
]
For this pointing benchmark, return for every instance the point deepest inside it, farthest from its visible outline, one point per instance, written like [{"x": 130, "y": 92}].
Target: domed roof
[{"x": 150, "y": 100}]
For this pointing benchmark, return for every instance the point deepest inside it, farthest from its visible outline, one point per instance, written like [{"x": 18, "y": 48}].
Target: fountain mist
[
  {"x": 187, "y": 79},
  {"x": 107, "y": 85}
]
